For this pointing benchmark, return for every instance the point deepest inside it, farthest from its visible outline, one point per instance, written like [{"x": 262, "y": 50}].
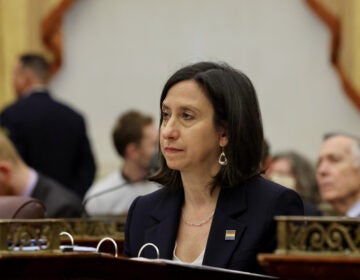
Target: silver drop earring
[{"x": 222, "y": 158}]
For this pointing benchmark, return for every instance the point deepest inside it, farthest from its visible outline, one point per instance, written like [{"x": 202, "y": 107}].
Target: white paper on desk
[
  {"x": 63, "y": 248},
  {"x": 84, "y": 249},
  {"x": 205, "y": 267},
  {"x": 76, "y": 248},
  {"x": 29, "y": 248}
]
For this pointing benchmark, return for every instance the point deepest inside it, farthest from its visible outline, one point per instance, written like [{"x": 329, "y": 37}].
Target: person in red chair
[{"x": 18, "y": 179}]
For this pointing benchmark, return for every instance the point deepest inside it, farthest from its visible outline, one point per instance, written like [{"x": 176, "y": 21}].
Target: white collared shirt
[
  {"x": 354, "y": 211},
  {"x": 30, "y": 186},
  {"x": 113, "y": 195}
]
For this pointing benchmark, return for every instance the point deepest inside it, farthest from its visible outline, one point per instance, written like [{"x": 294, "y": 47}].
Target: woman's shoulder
[
  {"x": 268, "y": 193},
  {"x": 258, "y": 189},
  {"x": 158, "y": 205},
  {"x": 259, "y": 183},
  {"x": 158, "y": 196}
]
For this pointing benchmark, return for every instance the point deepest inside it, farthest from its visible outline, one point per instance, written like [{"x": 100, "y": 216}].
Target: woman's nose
[{"x": 169, "y": 129}]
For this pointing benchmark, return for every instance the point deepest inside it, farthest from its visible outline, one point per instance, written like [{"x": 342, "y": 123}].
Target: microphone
[{"x": 84, "y": 212}]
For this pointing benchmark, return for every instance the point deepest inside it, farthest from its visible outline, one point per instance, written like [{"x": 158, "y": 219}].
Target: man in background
[
  {"x": 135, "y": 139},
  {"x": 50, "y": 136},
  {"x": 338, "y": 173},
  {"x": 17, "y": 178}
]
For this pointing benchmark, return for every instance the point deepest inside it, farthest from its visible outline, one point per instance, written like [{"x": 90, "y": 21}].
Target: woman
[
  {"x": 295, "y": 171},
  {"x": 215, "y": 209}
]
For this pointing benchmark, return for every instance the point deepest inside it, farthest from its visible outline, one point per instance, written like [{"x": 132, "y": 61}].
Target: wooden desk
[
  {"x": 93, "y": 266},
  {"x": 311, "y": 266}
]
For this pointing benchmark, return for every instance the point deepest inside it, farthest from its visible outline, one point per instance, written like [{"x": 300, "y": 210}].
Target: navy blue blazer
[
  {"x": 249, "y": 209},
  {"x": 51, "y": 137}
]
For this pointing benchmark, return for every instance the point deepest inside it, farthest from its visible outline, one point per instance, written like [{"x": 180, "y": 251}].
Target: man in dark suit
[
  {"x": 17, "y": 178},
  {"x": 50, "y": 136}
]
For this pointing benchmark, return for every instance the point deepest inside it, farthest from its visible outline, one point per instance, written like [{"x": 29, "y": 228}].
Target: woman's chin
[{"x": 173, "y": 165}]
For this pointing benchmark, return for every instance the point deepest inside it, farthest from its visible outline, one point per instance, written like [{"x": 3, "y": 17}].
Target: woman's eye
[
  {"x": 165, "y": 115},
  {"x": 187, "y": 116}
]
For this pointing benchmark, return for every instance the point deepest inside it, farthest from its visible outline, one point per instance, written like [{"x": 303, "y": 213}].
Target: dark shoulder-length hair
[{"x": 236, "y": 109}]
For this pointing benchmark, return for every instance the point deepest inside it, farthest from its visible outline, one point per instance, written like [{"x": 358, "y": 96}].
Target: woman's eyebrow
[
  {"x": 182, "y": 107},
  {"x": 189, "y": 107}
]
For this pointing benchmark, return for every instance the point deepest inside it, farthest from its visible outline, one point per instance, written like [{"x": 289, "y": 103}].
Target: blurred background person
[
  {"x": 296, "y": 172},
  {"x": 17, "y": 178},
  {"x": 338, "y": 173},
  {"x": 135, "y": 139},
  {"x": 50, "y": 136}
]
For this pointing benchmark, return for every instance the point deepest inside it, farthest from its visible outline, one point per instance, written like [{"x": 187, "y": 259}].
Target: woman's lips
[{"x": 172, "y": 150}]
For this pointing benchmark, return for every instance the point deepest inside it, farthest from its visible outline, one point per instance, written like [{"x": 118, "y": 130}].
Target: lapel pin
[{"x": 230, "y": 234}]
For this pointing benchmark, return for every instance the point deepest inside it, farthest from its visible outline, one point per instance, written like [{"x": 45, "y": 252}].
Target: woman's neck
[{"x": 199, "y": 192}]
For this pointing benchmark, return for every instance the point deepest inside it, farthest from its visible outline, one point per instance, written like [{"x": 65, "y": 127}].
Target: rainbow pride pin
[{"x": 230, "y": 234}]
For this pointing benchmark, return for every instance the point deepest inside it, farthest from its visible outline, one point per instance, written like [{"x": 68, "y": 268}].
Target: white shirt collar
[
  {"x": 354, "y": 211},
  {"x": 33, "y": 178}
]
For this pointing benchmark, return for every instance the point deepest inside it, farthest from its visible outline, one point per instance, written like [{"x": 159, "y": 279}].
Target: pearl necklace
[{"x": 199, "y": 224}]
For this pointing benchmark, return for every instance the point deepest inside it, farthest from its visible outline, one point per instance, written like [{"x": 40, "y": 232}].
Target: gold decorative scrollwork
[
  {"x": 43, "y": 235},
  {"x": 304, "y": 235}
]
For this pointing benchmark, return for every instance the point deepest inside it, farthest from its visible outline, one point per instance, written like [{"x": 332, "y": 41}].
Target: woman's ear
[{"x": 223, "y": 141}]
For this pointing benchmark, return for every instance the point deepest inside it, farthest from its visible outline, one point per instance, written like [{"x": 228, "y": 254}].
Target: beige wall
[{"x": 118, "y": 54}]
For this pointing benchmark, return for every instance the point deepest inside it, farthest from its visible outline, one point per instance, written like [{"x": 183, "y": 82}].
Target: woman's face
[
  {"x": 280, "y": 172},
  {"x": 189, "y": 140}
]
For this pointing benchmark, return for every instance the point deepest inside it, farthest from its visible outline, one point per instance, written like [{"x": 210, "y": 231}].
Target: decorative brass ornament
[{"x": 318, "y": 235}]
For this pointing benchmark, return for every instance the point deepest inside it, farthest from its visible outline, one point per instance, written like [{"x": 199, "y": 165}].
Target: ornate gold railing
[
  {"x": 17, "y": 235},
  {"x": 318, "y": 235}
]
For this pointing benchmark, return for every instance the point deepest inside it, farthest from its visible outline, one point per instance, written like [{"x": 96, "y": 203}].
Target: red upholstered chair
[{"x": 20, "y": 207}]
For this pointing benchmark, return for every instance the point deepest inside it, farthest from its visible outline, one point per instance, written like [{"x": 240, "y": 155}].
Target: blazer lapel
[
  {"x": 226, "y": 231},
  {"x": 167, "y": 215},
  {"x": 40, "y": 190}
]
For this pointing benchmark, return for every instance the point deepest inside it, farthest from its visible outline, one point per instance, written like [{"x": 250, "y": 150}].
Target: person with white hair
[{"x": 338, "y": 173}]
